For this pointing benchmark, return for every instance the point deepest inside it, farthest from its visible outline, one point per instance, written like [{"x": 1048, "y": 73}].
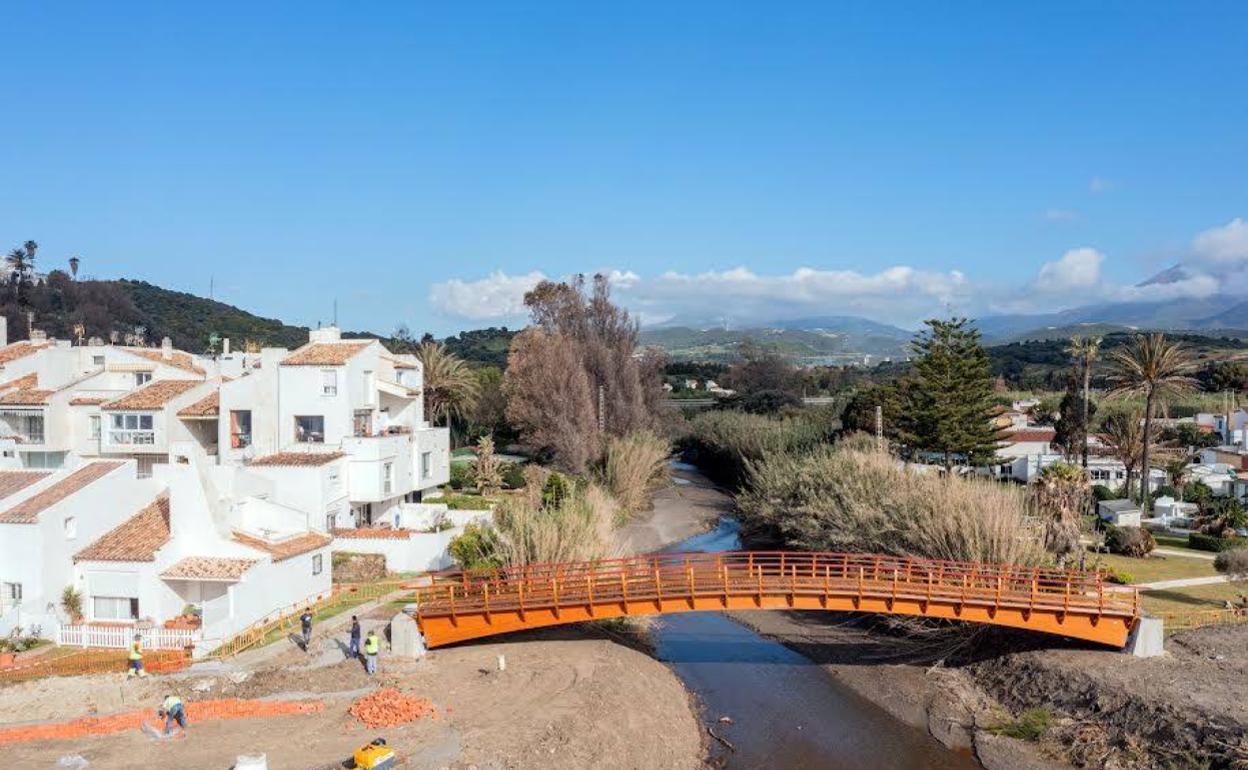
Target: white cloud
[
  {"x": 1077, "y": 270},
  {"x": 1227, "y": 244},
  {"x": 1099, "y": 184},
  {"x": 496, "y": 297},
  {"x": 900, "y": 294}
]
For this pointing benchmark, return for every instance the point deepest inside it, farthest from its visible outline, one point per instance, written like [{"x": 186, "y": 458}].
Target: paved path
[
  {"x": 1183, "y": 583},
  {"x": 1185, "y": 554}
]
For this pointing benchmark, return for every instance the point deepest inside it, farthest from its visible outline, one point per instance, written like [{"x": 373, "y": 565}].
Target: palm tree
[
  {"x": 1061, "y": 496},
  {"x": 1084, "y": 350},
  {"x": 451, "y": 388},
  {"x": 1121, "y": 431},
  {"x": 1176, "y": 469},
  {"x": 31, "y": 247},
  {"x": 1155, "y": 368}
]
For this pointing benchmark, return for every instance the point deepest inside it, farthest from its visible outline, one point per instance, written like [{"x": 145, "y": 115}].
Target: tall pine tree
[{"x": 949, "y": 405}]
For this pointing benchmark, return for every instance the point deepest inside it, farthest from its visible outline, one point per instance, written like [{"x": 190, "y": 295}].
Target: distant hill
[
  {"x": 805, "y": 346},
  {"x": 189, "y": 320}
]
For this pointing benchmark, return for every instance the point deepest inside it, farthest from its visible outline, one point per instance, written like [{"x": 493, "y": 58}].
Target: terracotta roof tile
[
  {"x": 1029, "y": 434},
  {"x": 208, "y": 406},
  {"x": 26, "y": 397},
  {"x": 153, "y": 395},
  {"x": 306, "y": 459},
  {"x": 16, "y": 481},
  {"x": 208, "y": 568},
  {"x": 285, "y": 549},
  {"x": 26, "y": 382},
  {"x": 362, "y": 533},
  {"x": 324, "y": 354},
  {"x": 135, "y": 539},
  {"x": 27, "y": 511},
  {"x": 88, "y": 400},
  {"x": 19, "y": 350},
  {"x": 177, "y": 358}
]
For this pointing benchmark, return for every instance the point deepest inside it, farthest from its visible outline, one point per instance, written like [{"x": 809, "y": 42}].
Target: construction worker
[
  {"x": 372, "y": 646},
  {"x": 136, "y": 657},
  {"x": 305, "y": 621},
  {"x": 355, "y": 638},
  {"x": 172, "y": 711}
]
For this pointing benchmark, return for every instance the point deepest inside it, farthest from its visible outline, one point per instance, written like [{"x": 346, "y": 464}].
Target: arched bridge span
[{"x": 468, "y": 605}]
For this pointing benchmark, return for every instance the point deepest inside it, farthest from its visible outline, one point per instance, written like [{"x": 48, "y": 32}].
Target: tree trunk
[
  {"x": 1145, "y": 502},
  {"x": 1087, "y": 381}
]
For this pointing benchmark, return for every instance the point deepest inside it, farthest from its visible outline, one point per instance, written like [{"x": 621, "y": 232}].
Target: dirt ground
[
  {"x": 689, "y": 506},
  {"x": 564, "y": 701}
]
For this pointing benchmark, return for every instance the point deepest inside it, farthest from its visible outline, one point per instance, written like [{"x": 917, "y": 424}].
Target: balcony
[{"x": 132, "y": 437}]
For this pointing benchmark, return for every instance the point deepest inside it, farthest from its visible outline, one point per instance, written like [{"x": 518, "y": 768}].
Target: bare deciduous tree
[{"x": 584, "y": 346}]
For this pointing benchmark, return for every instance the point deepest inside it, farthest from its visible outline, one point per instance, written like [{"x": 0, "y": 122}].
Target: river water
[{"x": 786, "y": 711}]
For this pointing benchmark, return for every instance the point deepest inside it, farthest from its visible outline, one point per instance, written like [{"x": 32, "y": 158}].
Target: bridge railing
[{"x": 754, "y": 572}]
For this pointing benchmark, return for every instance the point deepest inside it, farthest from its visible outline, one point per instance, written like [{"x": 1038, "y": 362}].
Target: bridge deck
[{"x": 469, "y": 605}]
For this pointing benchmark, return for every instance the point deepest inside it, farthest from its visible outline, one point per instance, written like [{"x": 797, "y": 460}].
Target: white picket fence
[{"x": 120, "y": 637}]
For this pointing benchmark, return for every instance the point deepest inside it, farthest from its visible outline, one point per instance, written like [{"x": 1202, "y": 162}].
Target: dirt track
[{"x": 565, "y": 701}]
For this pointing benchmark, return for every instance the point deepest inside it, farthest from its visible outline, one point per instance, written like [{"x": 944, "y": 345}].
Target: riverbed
[{"x": 771, "y": 707}]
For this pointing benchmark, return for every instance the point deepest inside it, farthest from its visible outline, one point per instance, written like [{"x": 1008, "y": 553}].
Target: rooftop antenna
[
  {"x": 212, "y": 287},
  {"x": 335, "y": 311}
]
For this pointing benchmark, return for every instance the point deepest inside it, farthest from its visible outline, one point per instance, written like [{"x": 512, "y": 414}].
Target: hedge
[{"x": 1202, "y": 542}]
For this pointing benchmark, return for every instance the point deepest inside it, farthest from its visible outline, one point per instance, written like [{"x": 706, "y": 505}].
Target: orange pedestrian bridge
[{"x": 459, "y": 606}]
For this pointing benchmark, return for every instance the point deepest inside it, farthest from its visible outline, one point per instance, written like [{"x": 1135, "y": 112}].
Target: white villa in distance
[{"x": 154, "y": 482}]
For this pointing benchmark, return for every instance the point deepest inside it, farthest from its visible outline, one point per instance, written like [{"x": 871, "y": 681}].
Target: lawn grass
[
  {"x": 1177, "y": 542},
  {"x": 1156, "y": 568},
  {"x": 1192, "y": 598}
]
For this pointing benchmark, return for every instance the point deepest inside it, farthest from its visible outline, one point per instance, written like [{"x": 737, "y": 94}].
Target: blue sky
[{"x": 425, "y": 163}]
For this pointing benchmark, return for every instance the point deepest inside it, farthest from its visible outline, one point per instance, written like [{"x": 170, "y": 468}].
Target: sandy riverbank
[{"x": 564, "y": 701}]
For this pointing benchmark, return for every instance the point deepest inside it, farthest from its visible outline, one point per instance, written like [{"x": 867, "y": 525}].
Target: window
[
  {"x": 71, "y": 527},
  {"x": 95, "y": 427},
  {"x": 132, "y": 429},
  {"x": 387, "y": 478},
  {"x": 97, "y": 360},
  {"x": 13, "y": 593},
  {"x": 426, "y": 465},
  {"x": 362, "y": 422},
  {"x": 329, "y": 382},
  {"x": 316, "y": 564},
  {"x": 310, "y": 429},
  {"x": 32, "y": 425},
  {"x": 142, "y": 378},
  {"x": 240, "y": 428},
  {"x": 114, "y": 608},
  {"x": 331, "y": 521}
]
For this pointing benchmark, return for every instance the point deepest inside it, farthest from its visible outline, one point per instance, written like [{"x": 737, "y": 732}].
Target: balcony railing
[{"x": 132, "y": 437}]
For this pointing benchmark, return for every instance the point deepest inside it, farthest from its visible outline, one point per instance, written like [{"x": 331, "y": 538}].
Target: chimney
[
  {"x": 225, "y": 346},
  {"x": 4, "y": 331},
  {"x": 166, "y": 348}
]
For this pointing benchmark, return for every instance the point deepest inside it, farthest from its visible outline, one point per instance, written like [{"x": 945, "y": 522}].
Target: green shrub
[
  {"x": 1135, "y": 542},
  {"x": 474, "y": 548},
  {"x": 461, "y": 477},
  {"x": 1101, "y": 493},
  {"x": 1233, "y": 563},
  {"x": 513, "y": 475},
  {"x": 464, "y": 502},
  {"x": 724, "y": 443},
  {"x": 1203, "y": 542},
  {"x": 556, "y": 489},
  {"x": 1121, "y": 577},
  {"x": 1030, "y": 725}
]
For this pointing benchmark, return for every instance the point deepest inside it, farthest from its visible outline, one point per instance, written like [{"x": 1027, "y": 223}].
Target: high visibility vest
[
  {"x": 170, "y": 703},
  {"x": 371, "y": 645},
  {"x": 135, "y": 652}
]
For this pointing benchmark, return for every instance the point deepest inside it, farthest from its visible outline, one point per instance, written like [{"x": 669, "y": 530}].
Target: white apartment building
[{"x": 153, "y": 481}]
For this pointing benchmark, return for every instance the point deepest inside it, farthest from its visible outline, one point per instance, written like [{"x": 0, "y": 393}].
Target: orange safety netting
[
  {"x": 388, "y": 707},
  {"x": 200, "y": 711}
]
